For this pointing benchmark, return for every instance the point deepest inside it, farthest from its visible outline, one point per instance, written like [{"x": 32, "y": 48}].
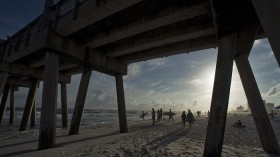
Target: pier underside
[{"x": 81, "y": 36}]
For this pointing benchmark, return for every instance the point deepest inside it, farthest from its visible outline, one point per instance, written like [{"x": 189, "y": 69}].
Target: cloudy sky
[{"x": 178, "y": 82}]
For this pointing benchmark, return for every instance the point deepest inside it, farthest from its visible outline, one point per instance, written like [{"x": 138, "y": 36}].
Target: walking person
[
  {"x": 154, "y": 116},
  {"x": 184, "y": 117},
  {"x": 170, "y": 115},
  {"x": 160, "y": 113},
  {"x": 190, "y": 118}
]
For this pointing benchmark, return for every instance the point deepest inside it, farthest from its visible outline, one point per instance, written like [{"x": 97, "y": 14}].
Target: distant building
[{"x": 240, "y": 108}]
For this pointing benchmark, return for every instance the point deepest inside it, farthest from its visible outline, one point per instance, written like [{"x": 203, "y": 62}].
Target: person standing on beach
[
  {"x": 160, "y": 113},
  {"x": 170, "y": 115},
  {"x": 190, "y": 118},
  {"x": 198, "y": 113},
  {"x": 158, "y": 116},
  {"x": 143, "y": 115},
  {"x": 154, "y": 116},
  {"x": 184, "y": 117}
]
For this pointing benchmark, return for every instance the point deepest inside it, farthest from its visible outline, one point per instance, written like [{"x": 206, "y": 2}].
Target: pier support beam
[
  {"x": 121, "y": 103},
  {"x": 220, "y": 96},
  {"x": 80, "y": 102},
  {"x": 49, "y": 100},
  {"x": 33, "y": 114},
  {"x": 3, "y": 79},
  {"x": 4, "y": 101},
  {"x": 263, "y": 125},
  {"x": 28, "y": 106},
  {"x": 12, "y": 105},
  {"x": 64, "y": 109},
  {"x": 269, "y": 16}
]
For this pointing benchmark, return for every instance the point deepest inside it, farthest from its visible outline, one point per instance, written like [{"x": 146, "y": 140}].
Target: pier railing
[{"x": 21, "y": 39}]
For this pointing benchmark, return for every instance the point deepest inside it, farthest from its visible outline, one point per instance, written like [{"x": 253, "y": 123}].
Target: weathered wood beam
[
  {"x": 65, "y": 66},
  {"x": 170, "y": 34},
  {"x": 80, "y": 102},
  {"x": 47, "y": 14},
  {"x": 73, "y": 71},
  {"x": 14, "y": 81},
  {"x": 171, "y": 49},
  {"x": 3, "y": 79},
  {"x": 25, "y": 71},
  {"x": 12, "y": 105},
  {"x": 146, "y": 25},
  {"x": 138, "y": 12},
  {"x": 245, "y": 40},
  {"x": 37, "y": 63},
  {"x": 269, "y": 16},
  {"x": 103, "y": 63},
  {"x": 121, "y": 104},
  {"x": 36, "y": 43},
  {"x": 243, "y": 47},
  {"x": 4, "y": 101},
  {"x": 62, "y": 66},
  {"x": 47, "y": 132},
  {"x": 220, "y": 96},
  {"x": 75, "y": 52},
  {"x": 33, "y": 115},
  {"x": 89, "y": 13},
  {"x": 64, "y": 108},
  {"x": 79, "y": 69},
  {"x": 262, "y": 122},
  {"x": 28, "y": 106}
]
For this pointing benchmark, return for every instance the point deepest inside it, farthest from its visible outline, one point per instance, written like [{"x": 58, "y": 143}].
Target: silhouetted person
[
  {"x": 238, "y": 123},
  {"x": 208, "y": 113},
  {"x": 190, "y": 118},
  {"x": 170, "y": 115},
  {"x": 143, "y": 115},
  {"x": 184, "y": 118},
  {"x": 158, "y": 116},
  {"x": 198, "y": 113},
  {"x": 154, "y": 116},
  {"x": 160, "y": 113}
]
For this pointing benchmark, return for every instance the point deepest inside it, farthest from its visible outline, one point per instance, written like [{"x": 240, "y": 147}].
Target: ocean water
[{"x": 90, "y": 117}]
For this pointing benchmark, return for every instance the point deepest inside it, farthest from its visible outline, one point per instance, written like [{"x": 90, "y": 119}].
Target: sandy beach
[{"x": 168, "y": 139}]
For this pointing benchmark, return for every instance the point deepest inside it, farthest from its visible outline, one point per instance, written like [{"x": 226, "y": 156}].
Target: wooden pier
[{"x": 79, "y": 36}]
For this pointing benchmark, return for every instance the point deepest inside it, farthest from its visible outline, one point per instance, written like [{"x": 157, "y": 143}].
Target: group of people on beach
[
  {"x": 189, "y": 117},
  {"x": 159, "y": 115}
]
